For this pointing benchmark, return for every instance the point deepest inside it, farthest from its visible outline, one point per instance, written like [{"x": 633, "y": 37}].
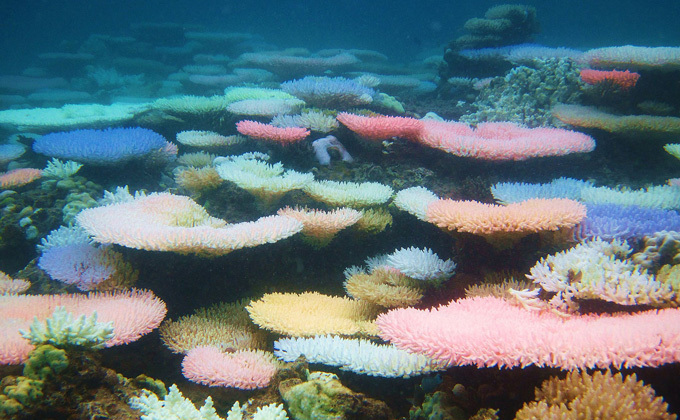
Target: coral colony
[{"x": 309, "y": 229}]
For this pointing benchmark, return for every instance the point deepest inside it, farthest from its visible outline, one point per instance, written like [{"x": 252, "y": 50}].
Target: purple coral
[
  {"x": 81, "y": 265},
  {"x": 610, "y": 221}
]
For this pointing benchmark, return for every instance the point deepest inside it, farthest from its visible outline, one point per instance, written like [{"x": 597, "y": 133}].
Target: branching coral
[{"x": 597, "y": 396}]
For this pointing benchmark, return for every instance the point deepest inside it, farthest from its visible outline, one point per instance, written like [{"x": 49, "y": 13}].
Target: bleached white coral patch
[
  {"x": 421, "y": 264},
  {"x": 415, "y": 200},
  {"x": 357, "y": 355}
]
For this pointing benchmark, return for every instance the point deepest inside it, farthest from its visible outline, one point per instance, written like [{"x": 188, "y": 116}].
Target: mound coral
[
  {"x": 167, "y": 222},
  {"x": 100, "y": 147},
  {"x": 490, "y": 331},
  {"x": 133, "y": 313},
  {"x": 243, "y": 369},
  {"x": 260, "y": 131},
  {"x": 312, "y": 313}
]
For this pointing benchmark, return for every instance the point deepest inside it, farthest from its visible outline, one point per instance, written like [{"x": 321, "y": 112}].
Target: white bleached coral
[{"x": 357, "y": 355}]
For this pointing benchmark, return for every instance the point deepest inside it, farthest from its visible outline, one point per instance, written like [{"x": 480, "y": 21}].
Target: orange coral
[
  {"x": 320, "y": 227},
  {"x": 500, "y": 223},
  {"x": 19, "y": 177}
]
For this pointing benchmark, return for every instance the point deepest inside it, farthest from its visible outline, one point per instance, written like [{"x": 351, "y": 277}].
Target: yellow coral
[
  {"x": 198, "y": 179},
  {"x": 312, "y": 313},
  {"x": 374, "y": 221}
]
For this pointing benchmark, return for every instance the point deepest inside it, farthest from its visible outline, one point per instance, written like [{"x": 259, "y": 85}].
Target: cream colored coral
[
  {"x": 10, "y": 286},
  {"x": 599, "y": 270},
  {"x": 320, "y": 226},
  {"x": 601, "y": 396},
  {"x": 349, "y": 194},
  {"x": 312, "y": 313},
  {"x": 224, "y": 325},
  {"x": 266, "y": 181}
]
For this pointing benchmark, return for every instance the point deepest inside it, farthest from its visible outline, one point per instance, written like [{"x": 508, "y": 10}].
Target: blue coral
[
  {"x": 100, "y": 147},
  {"x": 513, "y": 192},
  {"x": 614, "y": 221},
  {"x": 329, "y": 92}
]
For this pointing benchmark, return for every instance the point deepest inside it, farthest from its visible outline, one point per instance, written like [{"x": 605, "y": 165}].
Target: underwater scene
[{"x": 339, "y": 210}]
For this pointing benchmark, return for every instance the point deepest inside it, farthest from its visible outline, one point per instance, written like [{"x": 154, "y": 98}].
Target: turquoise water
[{"x": 418, "y": 108}]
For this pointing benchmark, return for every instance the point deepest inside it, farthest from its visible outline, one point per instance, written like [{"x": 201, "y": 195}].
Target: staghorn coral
[
  {"x": 598, "y": 270},
  {"x": 312, "y": 313},
  {"x": 226, "y": 326},
  {"x": 597, "y": 396},
  {"x": 62, "y": 330}
]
